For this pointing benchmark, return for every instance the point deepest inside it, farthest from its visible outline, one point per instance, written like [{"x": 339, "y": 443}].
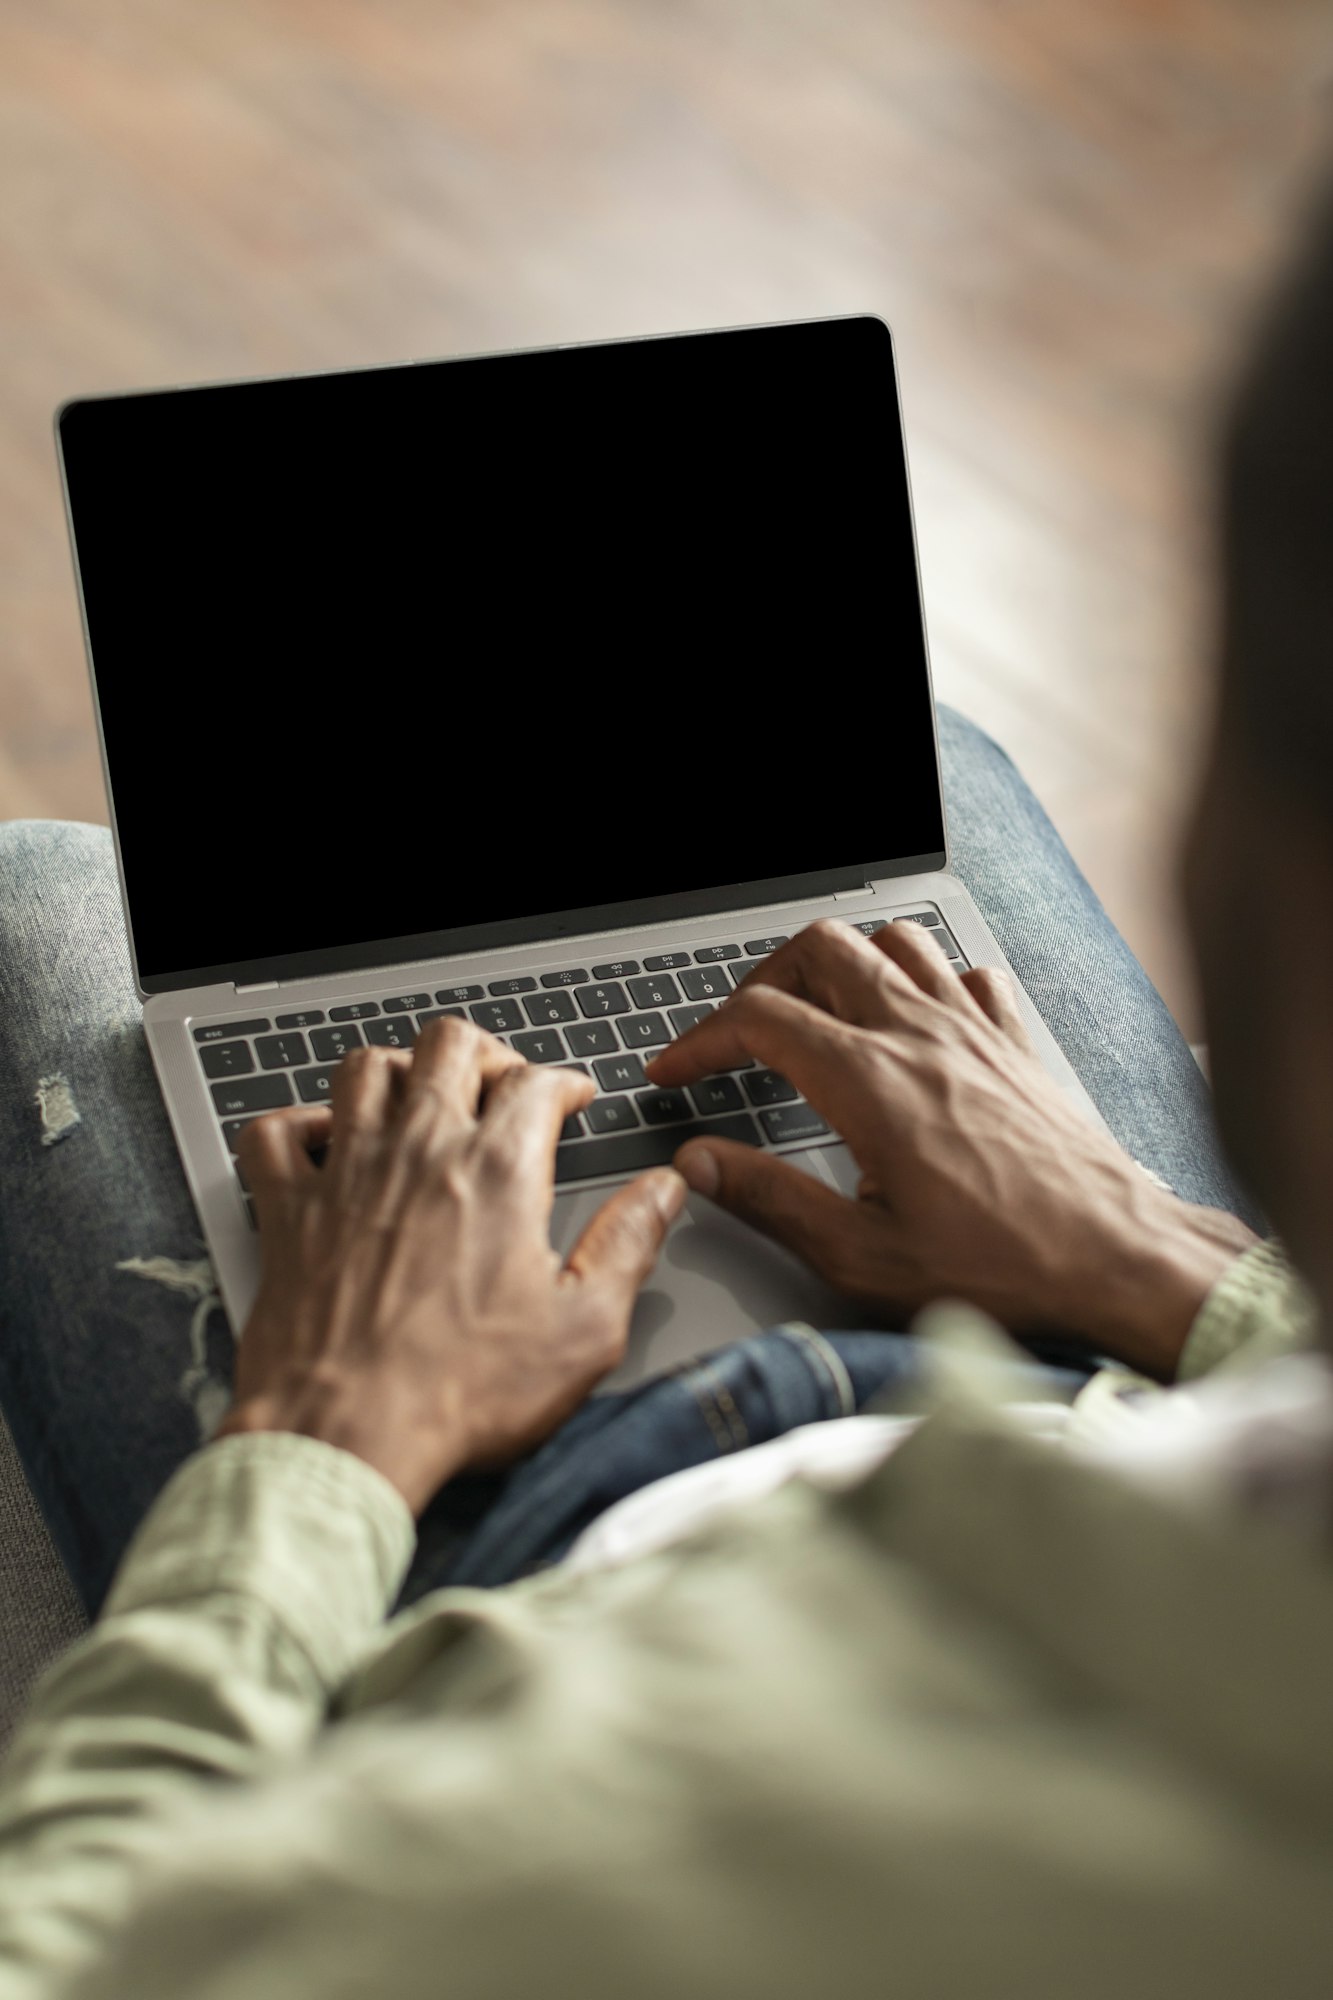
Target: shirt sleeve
[
  {"x": 258, "y": 1580},
  {"x": 1258, "y": 1309}
]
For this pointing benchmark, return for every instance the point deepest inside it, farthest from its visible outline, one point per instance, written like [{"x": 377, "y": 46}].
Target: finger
[
  {"x": 822, "y": 1056},
  {"x": 806, "y": 1217},
  {"x": 620, "y": 1246},
  {"x": 993, "y": 991},
  {"x": 520, "y": 1128},
  {"x": 363, "y": 1101},
  {"x": 275, "y": 1150},
  {"x": 453, "y": 1065},
  {"x": 912, "y": 948},
  {"x": 836, "y": 969}
]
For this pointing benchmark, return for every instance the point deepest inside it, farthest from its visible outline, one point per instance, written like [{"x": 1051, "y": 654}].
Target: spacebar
[{"x": 631, "y": 1152}]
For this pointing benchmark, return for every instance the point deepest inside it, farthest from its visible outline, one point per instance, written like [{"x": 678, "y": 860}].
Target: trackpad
[{"x": 716, "y": 1281}]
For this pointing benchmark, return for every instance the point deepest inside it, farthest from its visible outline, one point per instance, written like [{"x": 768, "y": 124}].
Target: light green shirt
[{"x": 995, "y": 1722}]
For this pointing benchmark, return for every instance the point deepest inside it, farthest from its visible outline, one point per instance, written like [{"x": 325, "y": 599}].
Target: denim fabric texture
[{"x": 110, "y": 1376}]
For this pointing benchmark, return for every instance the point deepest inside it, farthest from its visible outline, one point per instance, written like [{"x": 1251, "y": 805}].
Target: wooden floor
[{"x": 1062, "y": 206}]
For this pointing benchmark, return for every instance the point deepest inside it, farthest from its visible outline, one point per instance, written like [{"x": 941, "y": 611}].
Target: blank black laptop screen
[{"x": 457, "y": 653}]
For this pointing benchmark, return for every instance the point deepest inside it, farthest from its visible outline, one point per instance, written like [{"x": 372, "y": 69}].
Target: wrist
[
  {"x": 1143, "y": 1299},
  {"x": 369, "y": 1422}
]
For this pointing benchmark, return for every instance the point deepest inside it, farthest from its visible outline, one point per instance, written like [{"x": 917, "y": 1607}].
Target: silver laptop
[{"x": 551, "y": 689}]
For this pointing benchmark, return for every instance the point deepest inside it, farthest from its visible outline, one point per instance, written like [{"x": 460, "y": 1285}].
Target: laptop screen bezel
[{"x": 546, "y": 926}]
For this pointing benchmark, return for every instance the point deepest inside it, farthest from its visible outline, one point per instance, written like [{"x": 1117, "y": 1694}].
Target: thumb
[
  {"x": 781, "y": 1201},
  {"x": 621, "y": 1243}
]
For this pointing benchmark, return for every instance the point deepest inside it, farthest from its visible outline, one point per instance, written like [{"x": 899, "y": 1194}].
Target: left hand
[{"x": 411, "y": 1309}]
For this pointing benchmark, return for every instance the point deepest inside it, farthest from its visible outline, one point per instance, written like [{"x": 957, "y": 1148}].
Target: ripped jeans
[{"x": 115, "y": 1361}]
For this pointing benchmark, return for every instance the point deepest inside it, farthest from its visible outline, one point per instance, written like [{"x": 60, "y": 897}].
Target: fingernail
[{"x": 698, "y": 1169}]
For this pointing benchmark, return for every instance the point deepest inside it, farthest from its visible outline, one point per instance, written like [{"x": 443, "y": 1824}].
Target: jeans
[{"x": 114, "y": 1359}]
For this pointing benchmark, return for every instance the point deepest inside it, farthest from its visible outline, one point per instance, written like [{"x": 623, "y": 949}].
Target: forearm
[{"x": 249, "y": 1592}]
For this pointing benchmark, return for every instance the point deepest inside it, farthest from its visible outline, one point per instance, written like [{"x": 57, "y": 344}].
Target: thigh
[
  {"x": 486, "y": 1532},
  {"x": 114, "y": 1355},
  {"x": 1082, "y": 977}
]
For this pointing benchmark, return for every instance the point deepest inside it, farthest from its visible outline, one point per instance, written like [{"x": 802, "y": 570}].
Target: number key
[
  {"x": 282, "y": 1051},
  {"x": 706, "y": 984},
  {"x": 655, "y": 991},
  {"x": 549, "y": 1010},
  {"x": 394, "y": 1032},
  {"x": 608, "y": 998},
  {"x": 329, "y": 1044}
]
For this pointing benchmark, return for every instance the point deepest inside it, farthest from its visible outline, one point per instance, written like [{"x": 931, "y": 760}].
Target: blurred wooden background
[{"x": 1063, "y": 207}]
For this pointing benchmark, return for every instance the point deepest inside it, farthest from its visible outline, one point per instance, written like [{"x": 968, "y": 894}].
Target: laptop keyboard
[{"x": 605, "y": 1019}]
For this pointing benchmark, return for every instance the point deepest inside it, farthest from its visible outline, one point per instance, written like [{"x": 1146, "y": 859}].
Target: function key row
[{"x": 599, "y": 992}]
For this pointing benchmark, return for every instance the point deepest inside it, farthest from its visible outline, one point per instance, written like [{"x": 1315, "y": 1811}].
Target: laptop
[{"x": 549, "y": 689}]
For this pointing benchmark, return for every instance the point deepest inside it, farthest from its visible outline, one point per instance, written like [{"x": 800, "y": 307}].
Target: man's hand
[
  {"x": 411, "y": 1307},
  {"x": 980, "y": 1180}
]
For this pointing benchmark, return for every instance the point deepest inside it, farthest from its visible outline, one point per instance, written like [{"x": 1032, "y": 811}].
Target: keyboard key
[
  {"x": 654, "y": 992},
  {"x": 227, "y": 1059},
  {"x": 716, "y": 1094},
  {"x": 631, "y": 1152},
  {"x": 765, "y": 1086},
  {"x": 619, "y": 1073},
  {"x": 227, "y": 1031},
  {"x": 643, "y": 1031},
  {"x": 546, "y": 1010},
  {"x": 499, "y": 986},
  {"x": 331, "y": 1043},
  {"x": 619, "y": 968},
  {"x": 498, "y": 1017},
  {"x": 709, "y": 954},
  {"x": 575, "y": 978},
  {"x": 685, "y": 1018},
  {"x": 540, "y": 1045},
  {"x": 612, "y": 1114},
  {"x": 572, "y": 1127},
  {"x": 666, "y": 961},
  {"x": 709, "y": 985},
  {"x": 596, "y": 1038},
  {"x": 315, "y": 1086},
  {"x": 582, "y": 1068},
  {"x": 920, "y": 917},
  {"x": 739, "y": 972},
  {"x": 310, "y": 1019},
  {"x": 871, "y": 925},
  {"x": 409, "y": 1003},
  {"x": 760, "y": 947},
  {"x": 793, "y": 1121},
  {"x": 282, "y": 1051},
  {"x": 358, "y": 1010},
  {"x": 449, "y": 996},
  {"x": 441, "y": 1014},
  {"x": 253, "y": 1093},
  {"x": 608, "y": 998},
  {"x": 663, "y": 1107},
  {"x": 233, "y": 1129},
  {"x": 396, "y": 1032}
]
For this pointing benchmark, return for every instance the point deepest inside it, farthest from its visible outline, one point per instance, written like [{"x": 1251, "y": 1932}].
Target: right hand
[{"x": 981, "y": 1180}]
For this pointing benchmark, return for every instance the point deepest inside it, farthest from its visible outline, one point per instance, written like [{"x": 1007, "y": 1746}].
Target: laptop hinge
[
  {"x": 863, "y": 889},
  {"x": 261, "y": 986}
]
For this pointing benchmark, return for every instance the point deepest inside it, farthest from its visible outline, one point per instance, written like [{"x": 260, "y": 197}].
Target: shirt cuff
[
  {"x": 1258, "y": 1309},
  {"x": 314, "y": 1534}
]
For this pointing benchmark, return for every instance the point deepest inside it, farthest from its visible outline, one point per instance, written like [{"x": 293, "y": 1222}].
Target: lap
[{"x": 114, "y": 1361}]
